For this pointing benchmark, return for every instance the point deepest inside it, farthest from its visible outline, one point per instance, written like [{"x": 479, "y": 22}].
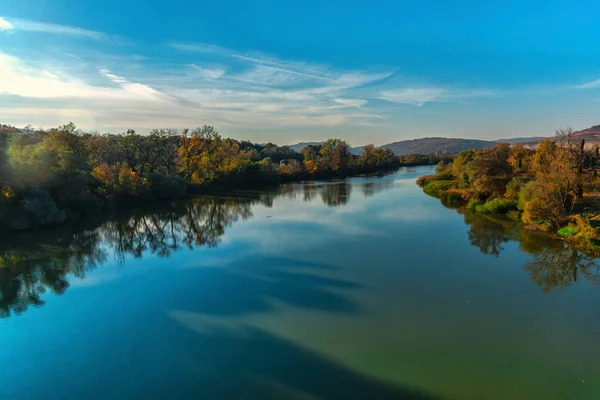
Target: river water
[{"x": 362, "y": 288}]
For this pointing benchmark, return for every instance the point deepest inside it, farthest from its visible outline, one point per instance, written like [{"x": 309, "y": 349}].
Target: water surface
[{"x": 363, "y": 288}]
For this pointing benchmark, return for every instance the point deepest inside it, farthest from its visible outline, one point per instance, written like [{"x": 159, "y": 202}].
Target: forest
[
  {"x": 51, "y": 176},
  {"x": 554, "y": 187}
]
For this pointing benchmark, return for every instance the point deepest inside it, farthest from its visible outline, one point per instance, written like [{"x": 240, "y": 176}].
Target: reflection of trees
[
  {"x": 29, "y": 270},
  {"x": 555, "y": 264},
  {"x": 486, "y": 234},
  {"x": 199, "y": 222},
  {"x": 34, "y": 263},
  {"x": 26, "y": 273},
  {"x": 371, "y": 188},
  {"x": 560, "y": 265},
  {"x": 336, "y": 194}
]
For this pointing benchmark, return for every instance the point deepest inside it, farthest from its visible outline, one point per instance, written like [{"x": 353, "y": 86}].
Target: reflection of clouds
[
  {"x": 93, "y": 280},
  {"x": 305, "y": 223},
  {"x": 412, "y": 214}
]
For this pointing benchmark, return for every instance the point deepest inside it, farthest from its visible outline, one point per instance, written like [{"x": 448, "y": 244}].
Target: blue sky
[{"x": 365, "y": 71}]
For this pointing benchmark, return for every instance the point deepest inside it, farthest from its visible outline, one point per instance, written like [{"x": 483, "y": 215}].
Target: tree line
[
  {"x": 552, "y": 187},
  {"x": 50, "y": 176}
]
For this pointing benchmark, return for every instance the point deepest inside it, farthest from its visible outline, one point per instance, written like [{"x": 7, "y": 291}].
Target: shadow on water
[
  {"x": 198, "y": 344},
  {"x": 249, "y": 363},
  {"x": 249, "y": 286},
  {"x": 206, "y": 335}
]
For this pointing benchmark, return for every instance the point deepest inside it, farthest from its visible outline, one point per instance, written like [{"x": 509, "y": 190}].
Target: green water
[{"x": 365, "y": 288}]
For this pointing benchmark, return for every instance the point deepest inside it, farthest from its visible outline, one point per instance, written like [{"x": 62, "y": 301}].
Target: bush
[
  {"x": 423, "y": 180},
  {"x": 567, "y": 231},
  {"x": 513, "y": 189},
  {"x": 41, "y": 208},
  {"x": 474, "y": 203},
  {"x": 437, "y": 188},
  {"x": 497, "y": 206},
  {"x": 455, "y": 196},
  {"x": 540, "y": 206}
]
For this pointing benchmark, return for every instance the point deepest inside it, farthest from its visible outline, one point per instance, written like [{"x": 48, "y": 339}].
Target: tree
[
  {"x": 550, "y": 196},
  {"x": 335, "y": 154},
  {"x": 489, "y": 171}
]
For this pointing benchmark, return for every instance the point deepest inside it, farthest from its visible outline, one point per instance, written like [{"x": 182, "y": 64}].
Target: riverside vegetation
[
  {"x": 51, "y": 176},
  {"x": 553, "y": 188}
]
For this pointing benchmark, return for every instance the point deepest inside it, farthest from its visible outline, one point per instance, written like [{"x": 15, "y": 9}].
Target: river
[{"x": 364, "y": 288}]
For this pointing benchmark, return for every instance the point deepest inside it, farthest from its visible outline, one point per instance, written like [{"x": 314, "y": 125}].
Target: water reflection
[
  {"x": 555, "y": 264},
  {"x": 32, "y": 264}
]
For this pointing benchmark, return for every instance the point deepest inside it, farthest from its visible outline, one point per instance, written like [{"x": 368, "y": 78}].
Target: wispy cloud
[
  {"x": 418, "y": 96},
  {"x": 208, "y": 84},
  {"x": 351, "y": 102},
  {"x": 265, "y": 63},
  {"x": 19, "y": 79},
  {"x": 5, "y": 25},
  {"x": 421, "y": 96},
  {"x": 18, "y": 24},
  {"x": 171, "y": 100},
  {"x": 199, "y": 48},
  {"x": 207, "y": 73},
  {"x": 589, "y": 85}
]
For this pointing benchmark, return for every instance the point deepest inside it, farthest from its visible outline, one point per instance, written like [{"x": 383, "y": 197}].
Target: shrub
[
  {"x": 455, "y": 196},
  {"x": 496, "y": 206},
  {"x": 567, "y": 231},
  {"x": 436, "y": 188},
  {"x": 423, "y": 180},
  {"x": 541, "y": 205},
  {"x": 474, "y": 203},
  {"x": 513, "y": 189},
  {"x": 41, "y": 208}
]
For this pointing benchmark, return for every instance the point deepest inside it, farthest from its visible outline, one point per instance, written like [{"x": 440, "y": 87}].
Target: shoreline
[
  {"x": 588, "y": 248},
  {"x": 215, "y": 189}
]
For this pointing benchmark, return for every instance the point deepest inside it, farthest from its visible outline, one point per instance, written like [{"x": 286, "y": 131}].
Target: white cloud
[
  {"x": 589, "y": 85},
  {"x": 5, "y": 25},
  {"x": 43, "y": 27},
  {"x": 351, "y": 102},
  {"x": 252, "y": 92},
  {"x": 198, "y": 48},
  {"x": 115, "y": 102},
  {"x": 207, "y": 73},
  {"x": 18, "y": 79},
  {"x": 421, "y": 96},
  {"x": 417, "y": 97}
]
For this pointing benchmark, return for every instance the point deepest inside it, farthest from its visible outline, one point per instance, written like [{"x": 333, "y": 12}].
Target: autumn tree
[
  {"x": 489, "y": 171},
  {"x": 335, "y": 154},
  {"x": 550, "y": 196}
]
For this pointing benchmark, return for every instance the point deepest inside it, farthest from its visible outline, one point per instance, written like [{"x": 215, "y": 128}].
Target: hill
[
  {"x": 521, "y": 140},
  {"x": 436, "y": 145},
  {"x": 590, "y": 135},
  {"x": 299, "y": 146},
  {"x": 450, "y": 145}
]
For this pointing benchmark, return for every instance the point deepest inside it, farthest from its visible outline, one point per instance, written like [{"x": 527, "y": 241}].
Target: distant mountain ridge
[
  {"x": 432, "y": 145},
  {"x": 590, "y": 135},
  {"x": 450, "y": 145}
]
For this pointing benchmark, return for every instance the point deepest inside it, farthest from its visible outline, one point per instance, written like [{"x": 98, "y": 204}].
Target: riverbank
[
  {"x": 217, "y": 188},
  {"x": 578, "y": 232}
]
